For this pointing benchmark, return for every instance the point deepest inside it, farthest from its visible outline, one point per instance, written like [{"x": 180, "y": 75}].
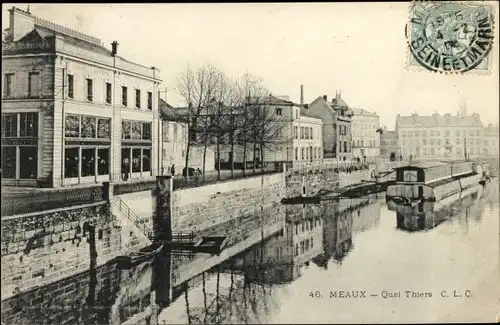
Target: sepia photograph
[{"x": 250, "y": 163}]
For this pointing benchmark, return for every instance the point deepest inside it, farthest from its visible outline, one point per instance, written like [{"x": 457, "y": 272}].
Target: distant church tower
[{"x": 463, "y": 107}]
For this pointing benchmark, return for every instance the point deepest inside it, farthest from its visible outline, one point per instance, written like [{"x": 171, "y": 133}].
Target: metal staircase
[{"x": 132, "y": 216}]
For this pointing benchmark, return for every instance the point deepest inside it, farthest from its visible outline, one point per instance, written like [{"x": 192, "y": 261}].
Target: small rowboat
[
  {"x": 135, "y": 258},
  {"x": 211, "y": 244}
]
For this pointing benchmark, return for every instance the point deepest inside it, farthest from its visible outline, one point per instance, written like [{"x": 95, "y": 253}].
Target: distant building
[
  {"x": 290, "y": 135},
  {"x": 73, "y": 112},
  {"x": 389, "y": 143},
  {"x": 491, "y": 141},
  {"x": 174, "y": 143},
  {"x": 365, "y": 137},
  {"x": 336, "y": 117},
  {"x": 440, "y": 136}
]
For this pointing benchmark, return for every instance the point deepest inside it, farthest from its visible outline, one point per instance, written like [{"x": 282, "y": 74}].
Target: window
[
  {"x": 296, "y": 153},
  {"x": 295, "y": 132},
  {"x": 71, "y": 162},
  {"x": 34, "y": 84},
  {"x": 9, "y": 84},
  {"x": 89, "y": 127},
  {"x": 71, "y": 86},
  {"x": 104, "y": 128},
  {"x": 146, "y": 131},
  {"x": 137, "y": 98},
  {"x": 124, "y": 96},
  {"x": 302, "y": 153},
  {"x": 146, "y": 160},
  {"x": 458, "y": 140},
  {"x": 136, "y": 130},
  {"x": 136, "y": 160},
  {"x": 8, "y": 162},
  {"x": 109, "y": 93},
  {"x": 150, "y": 100},
  {"x": 90, "y": 90},
  {"x": 28, "y": 125},
  {"x": 278, "y": 111},
  {"x": 88, "y": 162},
  {"x": 72, "y": 126},
  {"x": 345, "y": 146},
  {"x": 103, "y": 161},
  {"x": 447, "y": 133},
  {"x": 447, "y": 141},
  {"x": 9, "y": 125},
  {"x": 311, "y": 133}
]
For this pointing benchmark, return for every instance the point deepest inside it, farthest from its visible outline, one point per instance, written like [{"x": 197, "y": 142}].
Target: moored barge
[{"x": 433, "y": 181}]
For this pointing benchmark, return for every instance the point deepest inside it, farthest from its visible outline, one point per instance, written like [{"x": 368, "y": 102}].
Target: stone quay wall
[
  {"x": 200, "y": 208},
  {"x": 311, "y": 180},
  {"x": 42, "y": 247}
]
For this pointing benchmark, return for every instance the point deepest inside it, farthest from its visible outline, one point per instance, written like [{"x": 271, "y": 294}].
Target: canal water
[{"x": 357, "y": 261}]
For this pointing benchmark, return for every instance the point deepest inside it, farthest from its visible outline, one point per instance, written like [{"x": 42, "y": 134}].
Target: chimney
[
  {"x": 301, "y": 94},
  {"x": 337, "y": 95},
  {"x": 114, "y": 48},
  {"x": 325, "y": 97},
  {"x": 21, "y": 22}
]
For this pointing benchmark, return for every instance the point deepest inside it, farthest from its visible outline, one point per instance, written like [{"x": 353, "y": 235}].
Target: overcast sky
[{"x": 359, "y": 48}]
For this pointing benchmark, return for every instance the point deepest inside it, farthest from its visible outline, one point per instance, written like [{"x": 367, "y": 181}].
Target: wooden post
[{"x": 162, "y": 221}]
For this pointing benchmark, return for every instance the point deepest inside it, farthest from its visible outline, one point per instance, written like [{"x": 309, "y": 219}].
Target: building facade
[
  {"x": 73, "y": 111},
  {"x": 365, "y": 133},
  {"x": 336, "y": 120},
  {"x": 175, "y": 134},
  {"x": 491, "y": 141},
  {"x": 440, "y": 136},
  {"x": 389, "y": 144}
]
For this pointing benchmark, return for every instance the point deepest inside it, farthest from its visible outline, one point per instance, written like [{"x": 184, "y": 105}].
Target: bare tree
[
  {"x": 197, "y": 87},
  {"x": 220, "y": 111}
]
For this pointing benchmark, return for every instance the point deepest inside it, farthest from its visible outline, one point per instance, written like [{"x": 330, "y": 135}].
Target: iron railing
[
  {"x": 132, "y": 216},
  {"x": 225, "y": 175},
  {"x": 47, "y": 199}
]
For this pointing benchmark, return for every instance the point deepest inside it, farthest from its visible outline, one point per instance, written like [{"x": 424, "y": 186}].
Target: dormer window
[{"x": 279, "y": 111}]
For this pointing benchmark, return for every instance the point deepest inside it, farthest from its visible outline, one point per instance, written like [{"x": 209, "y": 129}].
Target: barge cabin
[{"x": 433, "y": 180}]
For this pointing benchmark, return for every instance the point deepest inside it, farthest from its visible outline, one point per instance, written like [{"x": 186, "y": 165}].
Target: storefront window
[
  {"x": 136, "y": 160},
  {"x": 71, "y": 162},
  {"x": 135, "y": 130},
  {"x": 8, "y": 162},
  {"x": 88, "y": 162},
  {"x": 103, "y": 161},
  {"x": 146, "y": 160},
  {"x": 89, "y": 127},
  {"x": 9, "y": 125},
  {"x": 72, "y": 126},
  {"x": 103, "y": 128},
  {"x": 125, "y": 163},
  {"x": 28, "y": 159},
  {"x": 126, "y": 129},
  {"x": 146, "y": 131},
  {"x": 28, "y": 125}
]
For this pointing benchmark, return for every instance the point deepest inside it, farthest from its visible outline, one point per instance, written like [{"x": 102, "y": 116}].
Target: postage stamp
[{"x": 450, "y": 37}]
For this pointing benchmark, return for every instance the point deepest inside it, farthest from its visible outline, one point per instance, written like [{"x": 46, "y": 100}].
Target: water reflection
[
  {"x": 427, "y": 215},
  {"x": 267, "y": 266}
]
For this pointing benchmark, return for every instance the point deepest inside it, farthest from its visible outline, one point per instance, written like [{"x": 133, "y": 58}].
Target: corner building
[{"x": 74, "y": 112}]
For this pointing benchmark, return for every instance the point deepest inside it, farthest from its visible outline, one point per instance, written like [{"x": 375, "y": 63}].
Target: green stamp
[{"x": 450, "y": 37}]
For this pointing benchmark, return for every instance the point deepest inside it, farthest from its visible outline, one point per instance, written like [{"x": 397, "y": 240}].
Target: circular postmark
[{"x": 451, "y": 37}]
